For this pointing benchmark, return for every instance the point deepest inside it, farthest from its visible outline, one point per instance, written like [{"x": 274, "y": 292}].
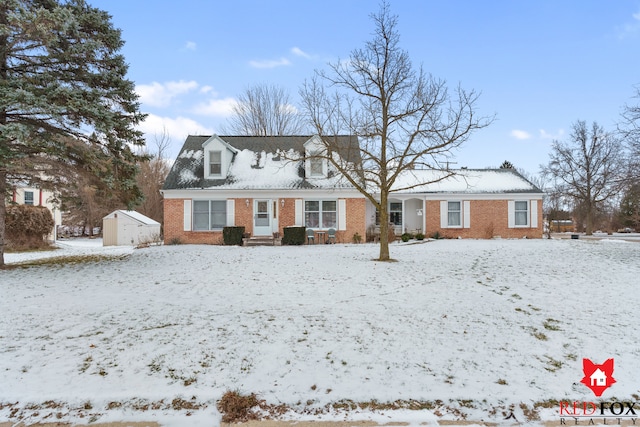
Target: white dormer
[
  {"x": 315, "y": 167},
  {"x": 218, "y": 155}
]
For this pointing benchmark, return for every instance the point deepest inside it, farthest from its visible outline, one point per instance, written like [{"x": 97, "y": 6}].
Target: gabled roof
[
  {"x": 137, "y": 216},
  {"x": 465, "y": 181},
  {"x": 274, "y": 162}
]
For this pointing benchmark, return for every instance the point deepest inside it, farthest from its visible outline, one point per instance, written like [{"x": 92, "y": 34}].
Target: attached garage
[{"x": 129, "y": 228}]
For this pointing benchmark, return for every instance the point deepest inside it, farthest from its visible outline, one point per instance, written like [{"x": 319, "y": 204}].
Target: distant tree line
[{"x": 594, "y": 176}]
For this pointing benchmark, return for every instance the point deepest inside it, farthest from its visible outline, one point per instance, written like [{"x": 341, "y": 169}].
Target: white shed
[{"x": 129, "y": 228}]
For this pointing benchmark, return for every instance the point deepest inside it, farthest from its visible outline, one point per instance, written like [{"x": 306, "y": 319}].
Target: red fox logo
[{"x": 598, "y": 377}]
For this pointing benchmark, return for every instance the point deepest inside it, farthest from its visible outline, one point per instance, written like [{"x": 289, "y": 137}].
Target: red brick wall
[
  {"x": 244, "y": 214},
  {"x": 174, "y": 226},
  {"x": 287, "y": 216},
  {"x": 489, "y": 218},
  {"x": 356, "y": 219}
]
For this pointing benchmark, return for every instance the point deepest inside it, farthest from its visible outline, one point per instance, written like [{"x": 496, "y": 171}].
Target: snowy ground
[{"x": 164, "y": 331}]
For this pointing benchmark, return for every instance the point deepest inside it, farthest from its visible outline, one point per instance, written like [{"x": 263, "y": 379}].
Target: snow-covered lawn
[{"x": 474, "y": 324}]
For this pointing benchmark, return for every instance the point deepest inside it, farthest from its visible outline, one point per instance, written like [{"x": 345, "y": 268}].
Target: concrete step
[{"x": 261, "y": 241}]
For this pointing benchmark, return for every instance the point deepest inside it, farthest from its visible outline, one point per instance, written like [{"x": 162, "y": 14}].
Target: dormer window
[
  {"x": 215, "y": 163},
  {"x": 316, "y": 166}
]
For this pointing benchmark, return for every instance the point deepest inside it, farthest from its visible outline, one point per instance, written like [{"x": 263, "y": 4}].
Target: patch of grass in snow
[
  {"x": 62, "y": 261},
  {"x": 552, "y": 364},
  {"x": 86, "y": 364},
  {"x": 551, "y": 324},
  {"x": 536, "y": 333},
  {"x": 236, "y": 407}
]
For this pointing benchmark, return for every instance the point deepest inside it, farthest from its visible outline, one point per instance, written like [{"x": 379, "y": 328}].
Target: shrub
[
  {"x": 420, "y": 236},
  {"x": 174, "y": 241},
  {"x": 437, "y": 235},
  {"x": 294, "y": 235},
  {"x": 27, "y": 227},
  {"x": 236, "y": 407},
  {"x": 232, "y": 235},
  {"x": 405, "y": 237},
  {"x": 357, "y": 238}
]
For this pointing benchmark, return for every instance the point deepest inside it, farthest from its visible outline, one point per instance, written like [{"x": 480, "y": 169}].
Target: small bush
[
  {"x": 405, "y": 237},
  {"x": 294, "y": 236},
  {"x": 420, "y": 236},
  {"x": 236, "y": 407},
  {"x": 174, "y": 241},
  {"x": 437, "y": 235},
  {"x": 357, "y": 238},
  {"x": 232, "y": 235},
  {"x": 27, "y": 227}
]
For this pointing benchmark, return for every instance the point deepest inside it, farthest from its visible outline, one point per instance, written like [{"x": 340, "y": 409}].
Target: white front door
[{"x": 262, "y": 217}]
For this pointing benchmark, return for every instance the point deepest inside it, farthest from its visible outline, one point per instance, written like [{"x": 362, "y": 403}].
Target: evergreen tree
[{"x": 66, "y": 106}]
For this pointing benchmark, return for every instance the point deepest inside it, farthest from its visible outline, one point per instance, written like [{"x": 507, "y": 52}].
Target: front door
[{"x": 261, "y": 217}]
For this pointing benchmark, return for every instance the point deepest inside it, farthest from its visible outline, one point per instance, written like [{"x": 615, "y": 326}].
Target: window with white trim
[
  {"x": 316, "y": 166},
  {"x": 395, "y": 213},
  {"x": 521, "y": 212},
  {"x": 215, "y": 163},
  {"x": 209, "y": 214},
  {"x": 454, "y": 214},
  {"x": 320, "y": 213},
  {"x": 28, "y": 198}
]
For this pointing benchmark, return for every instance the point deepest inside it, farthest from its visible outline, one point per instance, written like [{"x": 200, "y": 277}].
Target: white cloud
[
  {"x": 546, "y": 135},
  {"x": 216, "y": 107},
  {"x": 190, "y": 45},
  {"x": 177, "y": 128},
  {"x": 520, "y": 134},
  {"x": 206, "y": 89},
  {"x": 630, "y": 29},
  {"x": 299, "y": 52},
  {"x": 270, "y": 63},
  {"x": 161, "y": 94}
]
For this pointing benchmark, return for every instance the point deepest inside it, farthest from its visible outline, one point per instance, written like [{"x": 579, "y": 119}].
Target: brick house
[
  {"x": 268, "y": 183},
  {"x": 473, "y": 203},
  {"x": 261, "y": 183}
]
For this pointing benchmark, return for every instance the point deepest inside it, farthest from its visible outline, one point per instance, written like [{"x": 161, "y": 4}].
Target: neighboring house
[
  {"x": 24, "y": 195},
  {"x": 268, "y": 183},
  {"x": 129, "y": 228}
]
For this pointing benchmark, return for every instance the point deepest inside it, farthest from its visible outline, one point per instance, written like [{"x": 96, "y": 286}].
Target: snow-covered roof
[
  {"x": 134, "y": 215},
  {"x": 259, "y": 163},
  {"x": 470, "y": 181}
]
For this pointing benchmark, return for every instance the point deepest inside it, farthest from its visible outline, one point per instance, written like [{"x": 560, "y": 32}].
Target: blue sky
[{"x": 540, "y": 65}]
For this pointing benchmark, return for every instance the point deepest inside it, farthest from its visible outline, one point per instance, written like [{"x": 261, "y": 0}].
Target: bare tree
[
  {"x": 589, "y": 168},
  {"x": 404, "y": 118},
  {"x": 264, "y": 110},
  {"x": 630, "y": 130},
  {"x": 151, "y": 177}
]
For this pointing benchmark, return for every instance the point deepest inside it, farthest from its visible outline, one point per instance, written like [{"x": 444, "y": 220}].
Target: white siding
[
  {"x": 342, "y": 214},
  {"x": 533, "y": 205},
  {"x": 299, "y": 211},
  {"x": 511, "y": 213},
  {"x": 444, "y": 214},
  {"x": 231, "y": 213},
  {"x": 466, "y": 214},
  {"x": 187, "y": 215}
]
